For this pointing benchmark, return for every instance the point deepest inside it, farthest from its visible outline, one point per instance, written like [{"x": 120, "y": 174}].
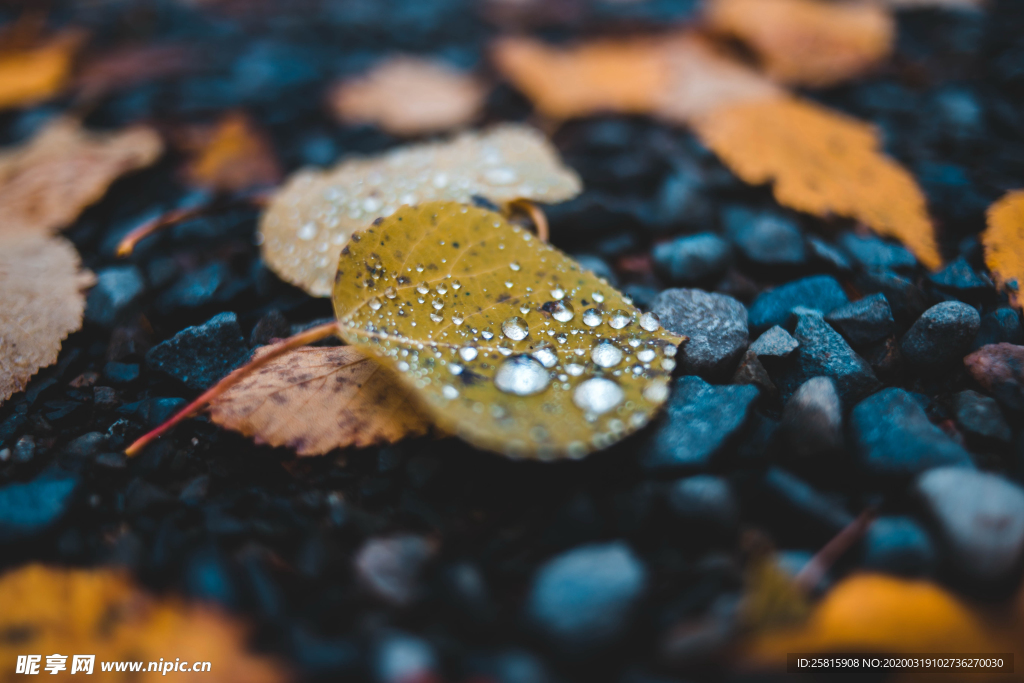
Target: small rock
[
  {"x": 582, "y": 599},
  {"x": 195, "y": 490},
  {"x": 692, "y": 259},
  {"x": 874, "y": 253},
  {"x": 105, "y": 398},
  {"x": 87, "y": 445},
  {"x": 898, "y": 545},
  {"x": 271, "y": 326},
  {"x": 112, "y": 461},
  {"x": 791, "y": 494},
  {"x": 641, "y": 295},
  {"x": 25, "y": 448},
  {"x": 765, "y": 238},
  {"x": 117, "y": 291},
  {"x": 980, "y": 521},
  {"x": 885, "y": 359},
  {"x": 199, "y": 356},
  {"x": 152, "y": 412},
  {"x": 12, "y": 423},
  {"x": 941, "y": 335},
  {"x": 705, "y": 503},
  {"x": 979, "y": 417},
  {"x": 830, "y": 256},
  {"x": 999, "y": 368},
  {"x": 907, "y": 300},
  {"x": 813, "y": 418},
  {"x": 142, "y": 497},
  {"x": 700, "y": 419},
  {"x": 195, "y": 288},
  {"x": 863, "y": 321},
  {"x": 402, "y": 658},
  {"x": 821, "y": 293},
  {"x": 29, "y": 508},
  {"x": 389, "y": 568},
  {"x": 1000, "y": 326},
  {"x": 120, "y": 374},
  {"x": 716, "y": 325},
  {"x": 893, "y": 436},
  {"x": 774, "y": 343},
  {"x": 751, "y": 371},
  {"x": 958, "y": 276}
]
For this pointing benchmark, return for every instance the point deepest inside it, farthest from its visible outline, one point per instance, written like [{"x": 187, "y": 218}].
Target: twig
[{"x": 816, "y": 568}]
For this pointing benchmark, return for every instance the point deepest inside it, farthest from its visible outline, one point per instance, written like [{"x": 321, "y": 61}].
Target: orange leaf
[
  {"x": 808, "y": 42},
  {"x": 1004, "y": 243},
  {"x": 410, "y": 96},
  {"x": 316, "y": 399},
  {"x": 231, "y": 156},
  {"x": 36, "y": 74}
]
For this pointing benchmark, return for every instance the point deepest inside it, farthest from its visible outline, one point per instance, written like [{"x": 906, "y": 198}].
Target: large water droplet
[
  {"x": 456, "y": 284},
  {"x": 557, "y": 293},
  {"x": 547, "y": 356},
  {"x": 574, "y": 369},
  {"x": 441, "y": 288},
  {"x": 559, "y": 310},
  {"x": 457, "y": 319},
  {"x": 656, "y": 392},
  {"x": 522, "y": 376},
  {"x": 597, "y": 395},
  {"x": 645, "y": 355},
  {"x": 650, "y": 322},
  {"x": 436, "y": 317},
  {"x": 592, "y": 317},
  {"x": 620, "y": 319},
  {"x": 598, "y": 297},
  {"x": 515, "y": 328},
  {"x": 422, "y": 288},
  {"x": 375, "y": 304},
  {"x": 390, "y": 292},
  {"x": 449, "y": 392},
  {"x": 438, "y": 304},
  {"x": 606, "y": 354},
  {"x": 467, "y": 353},
  {"x": 307, "y": 232}
]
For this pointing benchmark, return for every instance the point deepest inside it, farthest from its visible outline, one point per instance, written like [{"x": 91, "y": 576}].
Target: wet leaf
[
  {"x": 231, "y": 156},
  {"x": 100, "y": 612},
  {"x": 507, "y": 342},
  {"x": 311, "y": 217},
  {"x": 42, "y": 299},
  {"x": 35, "y": 74},
  {"x": 1003, "y": 240},
  {"x": 410, "y": 96},
  {"x": 316, "y": 399},
  {"x": 47, "y": 182},
  {"x": 808, "y": 42}
]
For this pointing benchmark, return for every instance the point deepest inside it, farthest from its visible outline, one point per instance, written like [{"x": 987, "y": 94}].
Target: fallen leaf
[
  {"x": 311, "y": 218},
  {"x": 808, "y": 42},
  {"x": 100, "y": 612},
  {"x": 127, "y": 66},
  {"x": 315, "y": 399},
  {"x": 33, "y": 75},
  {"x": 42, "y": 299},
  {"x": 47, "y": 182},
  {"x": 231, "y": 156},
  {"x": 1003, "y": 240},
  {"x": 507, "y": 342},
  {"x": 410, "y": 96}
]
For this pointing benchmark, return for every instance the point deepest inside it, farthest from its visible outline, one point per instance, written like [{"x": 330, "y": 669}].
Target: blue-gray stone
[
  {"x": 152, "y": 412},
  {"x": 32, "y": 507},
  {"x": 942, "y": 334},
  {"x": 864, "y": 321},
  {"x": 1000, "y": 326},
  {"x": 820, "y": 292},
  {"x": 898, "y": 545},
  {"x": 705, "y": 501},
  {"x": 118, "y": 289},
  {"x": 716, "y": 325},
  {"x": 907, "y": 300},
  {"x": 774, "y": 343},
  {"x": 199, "y": 356},
  {"x": 829, "y": 255},
  {"x": 958, "y": 276},
  {"x": 979, "y": 416},
  {"x": 765, "y": 238},
  {"x": 813, "y": 418},
  {"x": 692, "y": 259},
  {"x": 874, "y": 253}
]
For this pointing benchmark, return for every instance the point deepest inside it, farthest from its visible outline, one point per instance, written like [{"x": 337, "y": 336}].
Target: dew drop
[
  {"x": 441, "y": 288},
  {"x": 515, "y": 328},
  {"x": 597, "y": 395},
  {"x": 514, "y": 266},
  {"x": 557, "y": 293},
  {"x": 606, "y": 354},
  {"x": 650, "y": 322},
  {"x": 307, "y": 232},
  {"x": 455, "y": 368},
  {"x": 456, "y": 284},
  {"x": 592, "y": 317},
  {"x": 670, "y": 351},
  {"x": 598, "y": 297},
  {"x": 390, "y": 293},
  {"x": 668, "y": 364},
  {"x": 504, "y": 350},
  {"x": 438, "y": 304},
  {"x": 547, "y": 356},
  {"x": 561, "y": 337},
  {"x": 467, "y": 353},
  {"x": 457, "y": 319},
  {"x": 375, "y": 304},
  {"x": 645, "y": 355},
  {"x": 524, "y": 309},
  {"x": 436, "y": 317},
  {"x": 403, "y": 366},
  {"x": 508, "y": 284},
  {"x": 522, "y": 376},
  {"x": 422, "y": 288},
  {"x": 487, "y": 334},
  {"x": 619, "y": 319},
  {"x": 574, "y": 369},
  {"x": 656, "y": 392},
  {"x": 449, "y": 392},
  {"x": 561, "y": 311},
  {"x": 500, "y": 176},
  {"x": 372, "y": 204}
]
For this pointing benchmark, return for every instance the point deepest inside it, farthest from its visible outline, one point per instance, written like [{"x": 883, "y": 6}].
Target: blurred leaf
[
  {"x": 129, "y": 66},
  {"x": 1003, "y": 240},
  {"x": 311, "y": 218},
  {"x": 231, "y": 156},
  {"x": 316, "y": 399},
  {"x": 507, "y": 342},
  {"x": 33, "y": 74}
]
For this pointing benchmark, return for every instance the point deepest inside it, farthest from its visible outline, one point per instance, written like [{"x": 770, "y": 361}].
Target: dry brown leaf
[
  {"x": 47, "y": 182},
  {"x": 410, "y": 96},
  {"x": 1003, "y": 240},
  {"x": 36, "y": 74},
  {"x": 316, "y": 399},
  {"x": 41, "y": 302},
  {"x": 100, "y": 612},
  {"x": 311, "y": 218},
  {"x": 808, "y": 42},
  {"x": 230, "y": 156}
]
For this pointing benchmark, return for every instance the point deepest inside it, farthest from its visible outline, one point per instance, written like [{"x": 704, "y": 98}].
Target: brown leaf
[
  {"x": 231, "y": 156},
  {"x": 410, "y": 96},
  {"x": 100, "y": 612},
  {"x": 128, "y": 66},
  {"x": 1003, "y": 240},
  {"x": 999, "y": 369},
  {"x": 47, "y": 182},
  {"x": 808, "y": 42},
  {"x": 33, "y": 75},
  {"x": 42, "y": 301},
  {"x": 316, "y": 399}
]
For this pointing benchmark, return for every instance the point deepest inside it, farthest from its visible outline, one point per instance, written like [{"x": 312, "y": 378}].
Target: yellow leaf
[
  {"x": 316, "y": 399},
  {"x": 35, "y": 75},
  {"x": 410, "y": 96},
  {"x": 507, "y": 342},
  {"x": 311, "y": 218},
  {"x": 808, "y": 42},
  {"x": 1003, "y": 240},
  {"x": 234, "y": 155},
  {"x": 100, "y": 612}
]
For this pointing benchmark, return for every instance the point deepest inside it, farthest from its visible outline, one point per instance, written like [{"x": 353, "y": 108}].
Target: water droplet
[
  {"x": 504, "y": 350},
  {"x": 522, "y": 376},
  {"x": 508, "y": 284},
  {"x": 441, "y": 180},
  {"x": 456, "y": 284},
  {"x": 668, "y": 364},
  {"x": 500, "y": 176},
  {"x": 670, "y": 351},
  {"x": 524, "y": 309},
  {"x": 457, "y": 319},
  {"x": 597, "y": 395},
  {"x": 403, "y": 366},
  {"x": 436, "y": 317},
  {"x": 645, "y": 355},
  {"x": 547, "y": 356},
  {"x": 557, "y": 293},
  {"x": 467, "y": 353},
  {"x": 598, "y": 297},
  {"x": 559, "y": 310},
  {"x": 620, "y": 319},
  {"x": 515, "y": 328},
  {"x": 449, "y": 392},
  {"x": 574, "y": 369},
  {"x": 606, "y": 354},
  {"x": 441, "y": 288},
  {"x": 307, "y": 232},
  {"x": 372, "y": 204},
  {"x": 656, "y": 392},
  {"x": 650, "y": 322},
  {"x": 422, "y": 288},
  {"x": 375, "y": 303},
  {"x": 592, "y": 317},
  {"x": 455, "y": 368},
  {"x": 561, "y": 337},
  {"x": 514, "y": 266},
  {"x": 390, "y": 293},
  {"x": 438, "y": 304}
]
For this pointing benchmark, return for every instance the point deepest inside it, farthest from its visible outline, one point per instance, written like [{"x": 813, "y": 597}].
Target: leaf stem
[
  {"x": 536, "y": 214},
  {"x": 815, "y": 569}
]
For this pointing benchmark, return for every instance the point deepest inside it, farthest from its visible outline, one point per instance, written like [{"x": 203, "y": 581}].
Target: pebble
[
  {"x": 692, "y": 259},
  {"x": 958, "y": 276},
  {"x": 829, "y": 256},
  {"x": 941, "y": 335},
  {"x": 120, "y": 374},
  {"x": 999, "y": 326},
  {"x": 706, "y": 504},
  {"x": 699, "y": 421},
  {"x": 24, "y": 449},
  {"x": 403, "y": 658},
  {"x": 877, "y": 254},
  {"x": 979, "y": 417},
  {"x": 390, "y": 568},
  {"x": 907, "y": 300},
  {"x": 979, "y": 518},
  {"x": 195, "y": 288},
  {"x": 117, "y": 292},
  {"x": 29, "y": 508},
  {"x": 999, "y": 369},
  {"x": 105, "y": 398},
  {"x": 86, "y": 445},
  {"x": 199, "y": 356},
  {"x": 751, "y": 371},
  {"x": 271, "y": 326},
  {"x": 820, "y": 292},
  {"x": 898, "y": 545},
  {"x": 582, "y": 599},
  {"x": 152, "y": 412},
  {"x": 894, "y": 438},
  {"x": 716, "y": 325},
  {"x": 765, "y": 238},
  {"x": 863, "y": 321},
  {"x": 775, "y": 342},
  {"x": 813, "y": 419}
]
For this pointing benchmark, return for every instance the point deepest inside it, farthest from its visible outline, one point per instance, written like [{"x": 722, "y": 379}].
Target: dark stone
[
  {"x": 797, "y": 499},
  {"x": 86, "y": 445},
  {"x": 898, "y": 545},
  {"x": 907, "y": 300},
  {"x": 821, "y": 293},
  {"x": 705, "y": 504},
  {"x": 774, "y": 343},
  {"x": 112, "y": 461},
  {"x": 692, "y": 259},
  {"x": 751, "y": 371},
  {"x": 716, "y": 325},
  {"x": 390, "y": 568},
  {"x": 979, "y": 518},
  {"x": 863, "y": 321},
  {"x": 1000, "y": 326},
  {"x": 958, "y": 276},
  {"x": 813, "y": 419},
  {"x": 765, "y": 238},
  {"x": 11, "y": 425},
  {"x": 61, "y": 412},
  {"x": 199, "y": 356},
  {"x": 885, "y": 359},
  {"x": 117, "y": 292},
  {"x": 25, "y": 449},
  {"x": 941, "y": 335},
  {"x": 828, "y": 255},
  {"x": 583, "y": 599},
  {"x": 195, "y": 288},
  {"x": 979, "y": 417},
  {"x": 401, "y": 658},
  {"x": 876, "y": 254},
  {"x": 271, "y": 326},
  {"x": 141, "y": 497},
  {"x": 29, "y": 508},
  {"x": 152, "y": 412},
  {"x": 641, "y": 295},
  {"x": 999, "y": 369},
  {"x": 700, "y": 419},
  {"x": 894, "y": 438},
  {"x": 105, "y": 398}
]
